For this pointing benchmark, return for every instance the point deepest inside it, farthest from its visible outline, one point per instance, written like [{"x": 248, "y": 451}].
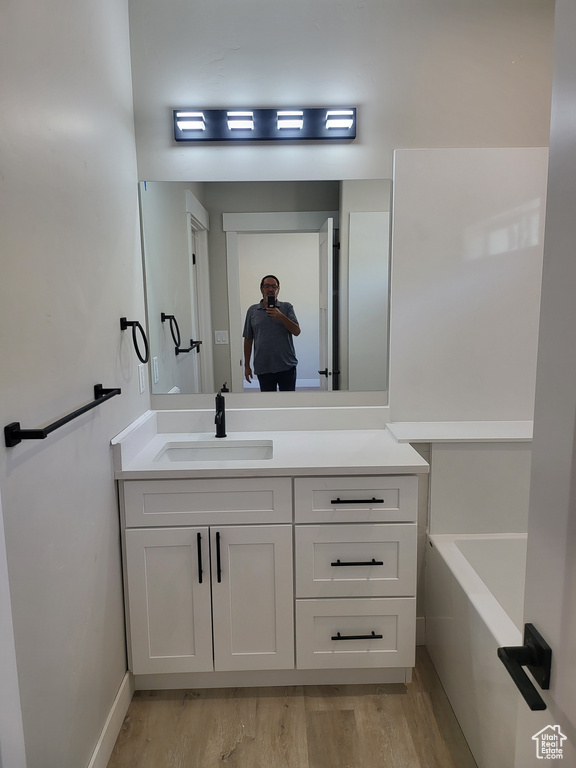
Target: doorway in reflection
[{"x": 293, "y": 258}]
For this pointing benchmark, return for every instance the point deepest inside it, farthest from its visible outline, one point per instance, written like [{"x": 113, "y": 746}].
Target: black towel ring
[
  {"x": 136, "y": 325},
  {"x": 174, "y": 329}
]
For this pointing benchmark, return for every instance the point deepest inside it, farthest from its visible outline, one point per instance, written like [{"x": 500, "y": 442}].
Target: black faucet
[{"x": 220, "y": 419}]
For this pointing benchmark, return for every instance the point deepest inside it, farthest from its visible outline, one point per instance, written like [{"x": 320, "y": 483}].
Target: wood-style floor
[{"x": 349, "y": 726}]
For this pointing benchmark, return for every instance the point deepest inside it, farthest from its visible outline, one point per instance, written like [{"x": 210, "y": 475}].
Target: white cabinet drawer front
[
  {"x": 168, "y": 576},
  {"x": 356, "y": 560},
  {"x": 206, "y": 502},
  {"x": 356, "y": 499},
  {"x": 355, "y": 633}
]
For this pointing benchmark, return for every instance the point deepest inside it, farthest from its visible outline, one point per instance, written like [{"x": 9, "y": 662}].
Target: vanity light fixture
[{"x": 192, "y": 124}]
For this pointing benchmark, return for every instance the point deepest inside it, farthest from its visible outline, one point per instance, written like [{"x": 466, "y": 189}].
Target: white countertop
[
  {"x": 325, "y": 452},
  {"x": 460, "y": 431}
]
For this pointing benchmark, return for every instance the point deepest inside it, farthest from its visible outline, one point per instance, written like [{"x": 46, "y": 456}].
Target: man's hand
[
  {"x": 293, "y": 327},
  {"x": 248, "y": 373}
]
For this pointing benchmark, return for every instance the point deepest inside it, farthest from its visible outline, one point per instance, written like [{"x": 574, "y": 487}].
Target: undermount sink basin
[{"x": 215, "y": 450}]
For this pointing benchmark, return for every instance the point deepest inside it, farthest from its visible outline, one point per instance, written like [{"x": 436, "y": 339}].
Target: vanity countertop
[{"x": 316, "y": 452}]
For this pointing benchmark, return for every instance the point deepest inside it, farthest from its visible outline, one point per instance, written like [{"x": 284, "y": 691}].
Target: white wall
[
  {"x": 71, "y": 268},
  {"x": 467, "y": 241},
  {"x": 424, "y": 73}
]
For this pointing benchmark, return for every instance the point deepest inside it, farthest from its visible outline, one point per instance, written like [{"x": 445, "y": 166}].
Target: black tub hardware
[
  {"x": 535, "y": 654},
  {"x": 176, "y": 338},
  {"x": 14, "y": 435},
  {"x": 371, "y": 636},
  {"x": 124, "y": 324},
  {"x": 340, "y": 564},
  {"x": 357, "y": 501}
]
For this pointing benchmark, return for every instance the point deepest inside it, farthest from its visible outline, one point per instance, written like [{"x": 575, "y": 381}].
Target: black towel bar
[{"x": 14, "y": 435}]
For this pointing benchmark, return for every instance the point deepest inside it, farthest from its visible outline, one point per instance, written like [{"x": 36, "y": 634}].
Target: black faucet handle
[{"x": 224, "y": 387}]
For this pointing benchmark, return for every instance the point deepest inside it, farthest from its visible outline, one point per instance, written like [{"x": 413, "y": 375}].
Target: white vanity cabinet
[
  {"x": 355, "y": 565},
  {"x": 213, "y": 596},
  {"x": 270, "y": 580}
]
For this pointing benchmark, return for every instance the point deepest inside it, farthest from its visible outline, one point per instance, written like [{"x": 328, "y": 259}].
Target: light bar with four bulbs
[{"x": 314, "y": 124}]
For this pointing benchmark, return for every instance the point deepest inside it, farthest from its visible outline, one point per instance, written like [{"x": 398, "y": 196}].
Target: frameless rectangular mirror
[{"x": 206, "y": 247}]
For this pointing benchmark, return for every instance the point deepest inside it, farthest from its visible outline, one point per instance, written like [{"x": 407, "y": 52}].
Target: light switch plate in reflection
[
  {"x": 221, "y": 337},
  {"x": 142, "y": 377}
]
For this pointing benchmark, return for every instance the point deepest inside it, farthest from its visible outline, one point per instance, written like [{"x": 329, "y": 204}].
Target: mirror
[{"x": 206, "y": 246}]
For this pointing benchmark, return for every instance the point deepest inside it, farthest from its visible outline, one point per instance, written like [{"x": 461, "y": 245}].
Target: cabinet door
[
  {"x": 168, "y": 580},
  {"x": 252, "y": 597}
]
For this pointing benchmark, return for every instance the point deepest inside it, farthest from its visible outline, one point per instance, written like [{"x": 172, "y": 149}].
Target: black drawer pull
[
  {"x": 339, "y": 563},
  {"x": 372, "y": 636},
  {"x": 357, "y": 501},
  {"x": 199, "y": 549},
  {"x": 218, "y": 561}
]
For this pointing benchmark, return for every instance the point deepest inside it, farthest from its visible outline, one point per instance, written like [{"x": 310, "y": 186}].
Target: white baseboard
[{"x": 113, "y": 724}]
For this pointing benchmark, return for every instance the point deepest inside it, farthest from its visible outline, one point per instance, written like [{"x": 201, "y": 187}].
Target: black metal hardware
[
  {"x": 135, "y": 327},
  {"x": 220, "y": 418},
  {"x": 13, "y": 434},
  {"x": 193, "y": 345},
  {"x": 199, "y": 548},
  {"x": 535, "y": 654},
  {"x": 338, "y": 563},
  {"x": 218, "y": 562},
  {"x": 357, "y": 501},
  {"x": 224, "y": 387},
  {"x": 324, "y": 372},
  {"x": 176, "y": 338},
  {"x": 372, "y": 636},
  {"x": 174, "y": 328}
]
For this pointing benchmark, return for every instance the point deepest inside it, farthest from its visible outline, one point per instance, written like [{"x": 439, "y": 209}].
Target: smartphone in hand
[{"x": 271, "y": 301}]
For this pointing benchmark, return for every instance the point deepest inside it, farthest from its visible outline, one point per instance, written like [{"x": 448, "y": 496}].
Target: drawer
[
  {"x": 383, "y": 499},
  {"x": 348, "y": 634},
  {"x": 205, "y": 502},
  {"x": 356, "y": 560}
]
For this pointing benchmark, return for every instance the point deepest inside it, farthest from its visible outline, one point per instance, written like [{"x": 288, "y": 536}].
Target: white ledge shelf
[{"x": 461, "y": 431}]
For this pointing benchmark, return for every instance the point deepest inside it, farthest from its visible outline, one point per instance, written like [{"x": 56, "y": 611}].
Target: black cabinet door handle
[
  {"x": 340, "y": 564},
  {"x": 218, "y": 563},
  {"x": 357, "y": 501},
  {"x": 371, "y": 636},
  {"x": 199, "y": 548}
]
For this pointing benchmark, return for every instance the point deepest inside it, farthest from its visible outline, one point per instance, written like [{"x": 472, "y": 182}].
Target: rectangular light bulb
[
  {"x": 290, "y": 119},
  {"x": 342, "y": 118},
  {"x": 240, "y": 121},
  {"x": 190, "y": 121}
]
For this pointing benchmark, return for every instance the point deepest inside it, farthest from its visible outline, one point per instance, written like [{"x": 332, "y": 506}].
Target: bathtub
[{"x": 474, "y": 604}]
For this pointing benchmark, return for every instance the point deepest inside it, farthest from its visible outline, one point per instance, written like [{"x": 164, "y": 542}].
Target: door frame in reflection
[{"x": 254, "y": 223}]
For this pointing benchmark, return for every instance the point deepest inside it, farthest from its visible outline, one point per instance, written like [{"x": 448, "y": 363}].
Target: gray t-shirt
[{"x": 273, "y": 342}]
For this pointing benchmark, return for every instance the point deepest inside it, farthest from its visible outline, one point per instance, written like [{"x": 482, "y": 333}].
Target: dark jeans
[{"x": 285, "y": 381}]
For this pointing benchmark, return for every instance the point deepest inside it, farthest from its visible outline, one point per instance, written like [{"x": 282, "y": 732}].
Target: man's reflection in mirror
[{"x": 269, "y": 331}]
